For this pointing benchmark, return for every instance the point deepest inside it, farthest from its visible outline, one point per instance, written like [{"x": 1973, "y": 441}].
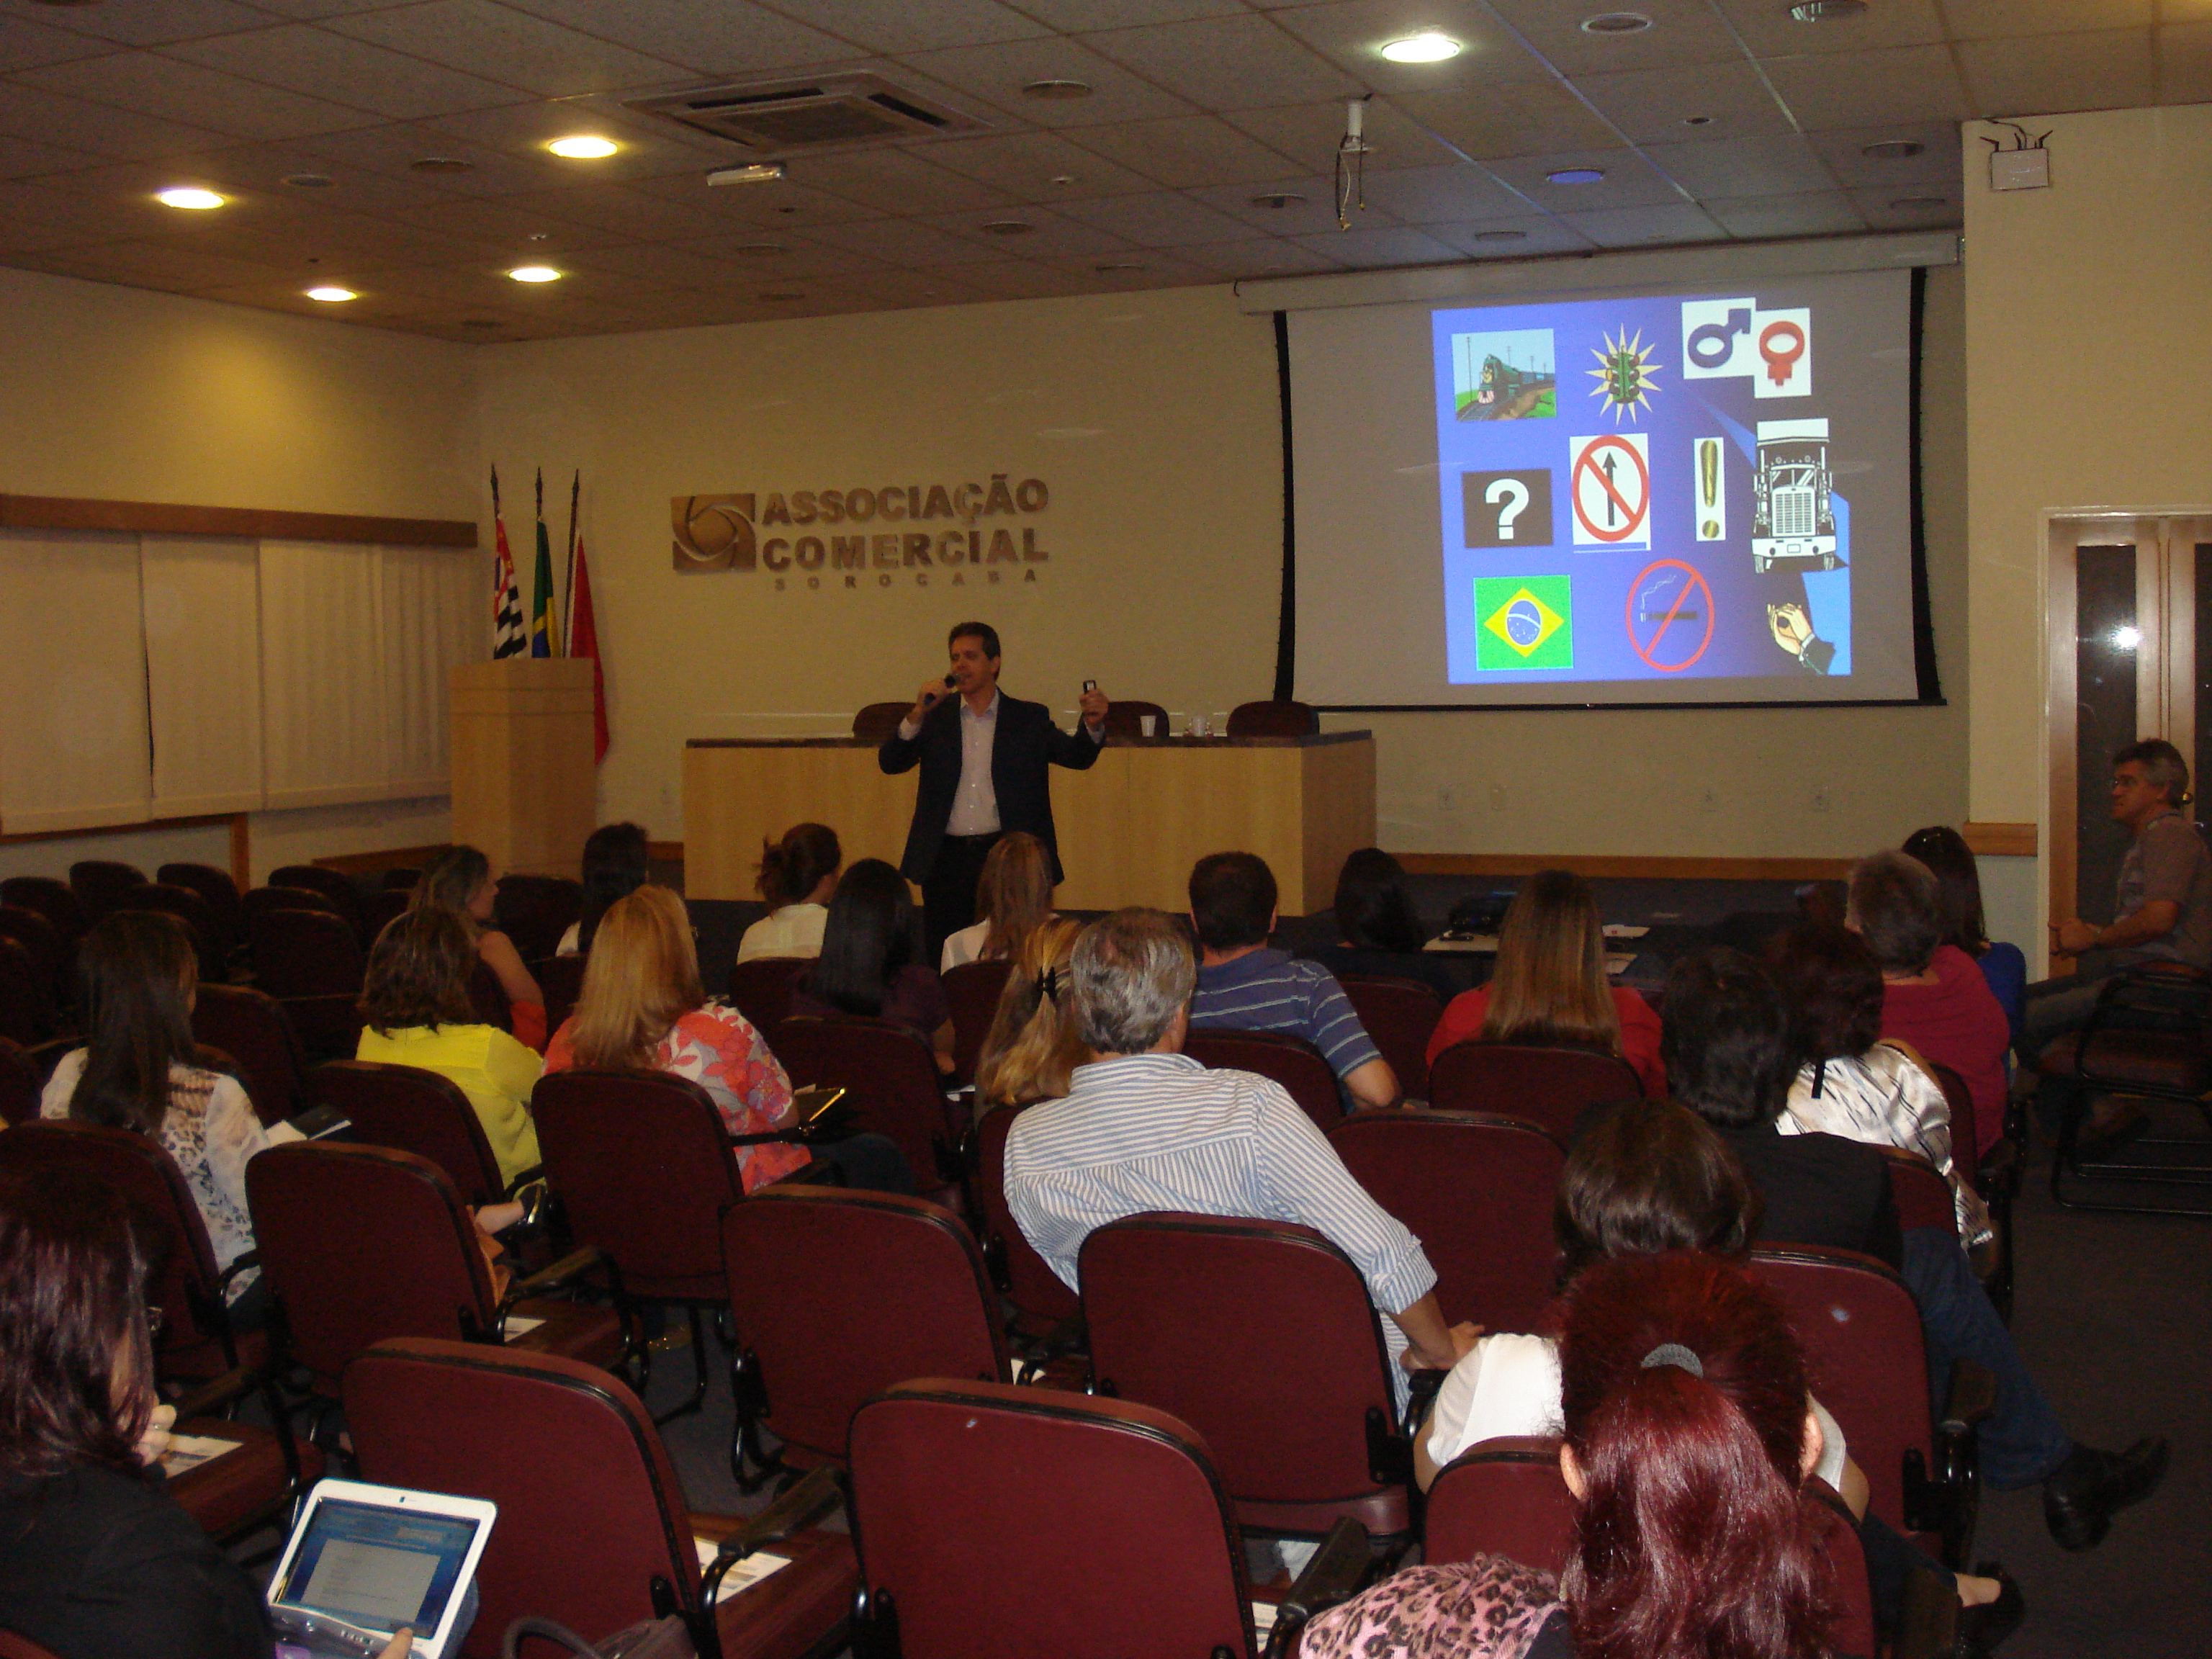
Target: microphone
[{"x": 949, "y": 682}]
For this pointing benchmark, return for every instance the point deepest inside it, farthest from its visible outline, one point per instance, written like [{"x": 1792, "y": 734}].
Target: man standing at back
[
  {"x": 1245, "y": 986},
  {"x": 984, "y": 760},
  {"x": 1146, "y": 1128}
]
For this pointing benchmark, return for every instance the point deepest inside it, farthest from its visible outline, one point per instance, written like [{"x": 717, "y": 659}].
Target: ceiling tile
[
  {"x": 1629, "y": 181},
  {"x": 1819, "y": 213},
  {"x": 903, "y": 27},
  {"x": 162, "y": 265},
  {"x": 1024, "y": 165},
  {"x": 1314, "y": 212},
  {"x": 628, "y": 214},
  {"x": 1770, "y": 31},
  {"x": 1530, "y": 118},
  {"x": 649, "y": 149},
  {"x": 25, "y": 44},
  {"x": 908, "y": 242},
  {"x": 1743, "y": 167},
  {"x": 1073, "y": 15},
  {"x": 996, "y": 74},
  {"x": 261, "y": 169},
  {"x": 526, "y": 227},
  {"x": 800, "y": 260},
  {"x": 352, "y": 239},
  {"x": 391, "y": 149},
  {"x": 782, "y": 206},
  {"x": 1365, "y": 249},
  {"x": 314, "y": 9},
  {"x": 528, "y": 52},
  {"x": 42, "y": 118},
  {"x": 367, "y": 307},
  {"x": 1898, "y": 83},
  {"x": 151, "y": 22},
  {"x": 1052, "y": 236},
  {"x": 1653, "y": 106},
  {"x": 1228, "y": 62},
  {"x": 2110, "y": 68},
  {"x": 1163, "y": 219},
  {"x": 1310, "y": 133},
  {"x": 1981, "y": 20},
  {"x": 144, "y": 84},
  {"x": 2184, "y": 63},
  {"x": 894, "y": 181},
  {"x": 1350, "y": 33},
  {"x": 1640, "y": 227},
  {"x": 1024, "y": 279},
  {"x": 1492, "y": 239},
  {"x": 1266, "y": 256},
  {"x": 304, "y": 58},
  {"x": 1845, "y": 151},
  {"x": 1445, "y": 195},
  {"x": 1682, "y": 31},
  {"x": 1186, "y": 153},
  {"x": 38, "y": 216},
  {"x": 910, "y": 287},
  {"x": 122, "y": 194},
  {"x": 715, "y": 38},
  {"x": 23, "y": 158},
  {"x": 1922, "y": 208}
]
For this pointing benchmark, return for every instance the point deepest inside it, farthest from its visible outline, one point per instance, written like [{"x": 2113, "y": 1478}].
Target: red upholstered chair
[
  {"x": 534, "y": 911},
  {"x": 877, "y": 721},
  {"x": 1996, "y": 1179},
  {"x": 13, "y": 1646},
  {"x": 1279, "y": 717},
  {"x": 561, "y": 979},
  {"x": 761, "y": 989},
  {"x": 210, "y": 940},
  {"x": 1291, "y": 1061},
  {"x": 100, "y": 883},
  {"x": 253, "y": 1028},
  {"x": 596, "y": 1536},
  {"x": 343, "y": 891},
  {"x": 890, "y": 1077},
  {"x": 972, "y": 992},
  {"x": 21, "y": 1084},
  {"x": 215, "y": 887},
  {"x": 380, "y": 908},
  {"x": 1041, "y": 1302},
  {"x": 26, "y": 1006},
  {"x": 1260, "y": 1336},
  {"x": 1400, "y": 1015},
  {"x": 52, "y": 899},
  {"x": 1477, "y": 1190},
  {"x": 1125, "y": 718},
  {"x": 413, "y": 1110},
  {"x": 489, "y": 997},
  {"x": 53, "y": 951},
  {"x": 360, "y": 1244},
  {"x": 1924, "y": 1197},
  {"x": 1863, "y": 1350},
  {"x": 240, "y": 1491},
  {"x": 838, "y": 1295},
  {"x": 255, "y": 900},
  {"x": 304, "y": 953},
  {"x": 1548, "y": 1087}
]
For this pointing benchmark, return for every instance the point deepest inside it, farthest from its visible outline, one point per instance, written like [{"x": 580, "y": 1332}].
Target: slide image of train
[
  {"x": 1791, "y": 516},
  {"x": 1509, "y": 376}
]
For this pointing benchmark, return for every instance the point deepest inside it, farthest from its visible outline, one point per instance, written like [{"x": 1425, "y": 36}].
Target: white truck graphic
[{"x": 1791, "y": 517}]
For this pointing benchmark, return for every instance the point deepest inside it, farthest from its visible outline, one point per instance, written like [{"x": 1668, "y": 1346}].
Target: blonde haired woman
[
  {"x": 1549, "y": 989},
  {"x": 642, "y": 1006},
  {"x": 1034, "y": 1045},
  {"x": 1014, "y": 897}
]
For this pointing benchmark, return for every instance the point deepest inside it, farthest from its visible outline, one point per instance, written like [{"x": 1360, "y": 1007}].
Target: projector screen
[{"x": 1679, "y": 494}]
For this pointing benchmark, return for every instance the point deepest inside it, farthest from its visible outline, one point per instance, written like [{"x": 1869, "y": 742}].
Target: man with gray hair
[{"x": 1144, "y": 1128}]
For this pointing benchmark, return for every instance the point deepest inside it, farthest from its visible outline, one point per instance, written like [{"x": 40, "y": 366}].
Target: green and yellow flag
[{"x": 544, "y": 610}]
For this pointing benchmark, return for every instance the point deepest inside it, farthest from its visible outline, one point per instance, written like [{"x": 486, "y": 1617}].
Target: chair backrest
[
  {"x": 996, "y": 1520},
  {"x": 50, "y": 948},
  {"x": 1965, "y": 1125},
  {"x": 343, "y": 891},
  {"x": 1274, "y": 717},
  {"x": 583, "y": 1536},
  {"x": 642, "y": 1164},
  {"x": 561, "y": 979},
  {"x": 1035, "y": 1291},
  {"x": 13, "y": 1646},
  {"x": 52, "y": 899},
  {"x": 304, "y": 953},
  {"x": 255, "y": 1031},
  {"x": 1924, "y": 1197},
  {"x": 27, "y": 1002},
  {"x": 328, "y": 1027},
  {"x": 877, "y": 721},
  {"x": 1400, "y": 1015},
  {"x": 1549, "y": 1087},
  {"x": 1863, "y": 1350},
  {"x": 211, "y": 884},
  {"x": 1125, "y": 716},
  {"x": 100, "y": 883},
  {"x": 838, "y": 1295},
  {"x": 489, "y": 997},
  {"x": 412, "y": 1110},
  {"x": 276, "y": 897},
  {"x": 889, "y": 1076},
  {"x": 19, "y": 1085},
  {"x": 211, "y": 938},
  {"x": 1291, "y": 1061},
  {"x": 380, "y": 908},
  {"x": 972, "y": 992},
  {"x": 761, "y": 989},
  {"x": 359, "y": 1243},
  {"x": 534, "y": 911},
  {"x": 1258, "y": 1334},
  {"x": 1478, "y": 1191}
]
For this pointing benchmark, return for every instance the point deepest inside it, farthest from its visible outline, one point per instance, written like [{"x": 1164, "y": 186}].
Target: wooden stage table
[{"x": 1130, "y": 827}]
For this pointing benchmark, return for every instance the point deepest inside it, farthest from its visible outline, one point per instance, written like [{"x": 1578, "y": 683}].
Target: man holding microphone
[{"x": 984, "y": 760}]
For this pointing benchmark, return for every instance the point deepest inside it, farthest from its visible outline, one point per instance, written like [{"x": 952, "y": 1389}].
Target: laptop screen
[{"x": 377, "y": 1568}]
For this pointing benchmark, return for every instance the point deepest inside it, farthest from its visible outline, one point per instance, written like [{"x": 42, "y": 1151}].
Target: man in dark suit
[{"x": 984, "y": 758}]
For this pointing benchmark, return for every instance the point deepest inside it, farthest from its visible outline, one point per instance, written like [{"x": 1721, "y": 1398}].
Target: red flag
[{"x": 584, "y": 641}]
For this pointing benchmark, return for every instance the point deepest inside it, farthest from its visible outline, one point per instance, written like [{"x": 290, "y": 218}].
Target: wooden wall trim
[
  {"x": 173, "y": 519},
  {"x": 1626, "y": 868},
  {"x": 667, "y": 852},
  {"x": 2001, "y": 840},
  {"x": 235, "y": 820},
  {"x": 390, "y": 858}
]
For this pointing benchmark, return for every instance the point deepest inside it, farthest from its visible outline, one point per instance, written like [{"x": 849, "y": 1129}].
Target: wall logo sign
[{"x": 911, "y": 535}]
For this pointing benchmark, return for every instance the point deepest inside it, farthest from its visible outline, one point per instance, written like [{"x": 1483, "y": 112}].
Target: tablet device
[{"x": 363, "y": 1560}]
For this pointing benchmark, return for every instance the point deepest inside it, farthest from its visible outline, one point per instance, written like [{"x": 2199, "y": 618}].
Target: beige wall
[{"x": 2088, "y": 350}]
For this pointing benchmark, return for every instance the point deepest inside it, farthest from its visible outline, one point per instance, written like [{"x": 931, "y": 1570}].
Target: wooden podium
[
  {"x": 525, "y": 785},
  {"x": 1130, "y": 827}
]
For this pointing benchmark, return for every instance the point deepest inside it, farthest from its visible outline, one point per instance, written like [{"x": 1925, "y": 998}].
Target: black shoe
[
  {"x": 2091, "y": 1486},
  {"x": 1981, "y": 1629}
]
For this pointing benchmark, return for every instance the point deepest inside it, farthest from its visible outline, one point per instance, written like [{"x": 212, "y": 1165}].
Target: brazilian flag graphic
[{"x": 1527, "y": 621}]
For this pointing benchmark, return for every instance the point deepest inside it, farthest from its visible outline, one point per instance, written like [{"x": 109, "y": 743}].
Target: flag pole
[{"x": 568, "y": 582}]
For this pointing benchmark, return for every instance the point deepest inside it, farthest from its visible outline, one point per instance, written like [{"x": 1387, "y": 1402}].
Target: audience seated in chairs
[
  {"x": 459, "y": 883},
  {"x": 796, "y": 877},
  {"x": 1730, "y": 1059},
  {"x": 1035, "y": 1043},
  {"x": 1382, "y": 938},
  {"x": 1245, "y": 985},
  {"x": 616, "y": 862},
  {"x": 418, "y": 1012},
  {"x": 868, "y": 965},
  {"x": 1550, "y": 989},
  {"x": 1689, "y": 1445},
  {"x": 1013, "y": 896},
  {"x": 140, "y": 1070},
  {"x": 100, "y": 1561},
  {"x": 1144, "y": 1128},
  {"x": 1944, "y": 851}
]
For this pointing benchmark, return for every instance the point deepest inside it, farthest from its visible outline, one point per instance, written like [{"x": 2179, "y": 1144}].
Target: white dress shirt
[{"x": 975, "y": 802}]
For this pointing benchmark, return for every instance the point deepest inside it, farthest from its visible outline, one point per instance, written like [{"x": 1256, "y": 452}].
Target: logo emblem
[{"x": 1527, "y": 622}]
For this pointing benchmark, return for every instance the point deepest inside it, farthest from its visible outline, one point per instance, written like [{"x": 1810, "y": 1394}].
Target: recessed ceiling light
[
  {"x": 1278, "y": 199},
  {"x": 756, "y": 249},
  {"x": 1827, "y": 11},
  {"x": 1009, "y": 227},
  {"x": 190, "y": 196},
  {"x": 1061, "y": 179},
  {"x": 781, "y": 296},
  {"x": 1429, "y": 46},
  {"x": 1616, "y": 22},
  {"x": 1893, "y": 149},
  {"x": 1920, "y": 201},
  {"x": 1499, "y": 236},
  {"x": 583, "y": 147},
  {"x": 1576, "y": 175},
  {"x": 1697, "y": 120},
  {"x": 331, "y": 295},
  {"x": 440, "y": 164},
  {"x": 308, "y": 180},
  {"x": 535, "y": 274},
  {"x": 1057, "y": 89}
]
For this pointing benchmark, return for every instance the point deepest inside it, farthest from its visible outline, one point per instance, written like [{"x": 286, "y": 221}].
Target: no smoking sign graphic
[{"x": 1610, "y": 485}]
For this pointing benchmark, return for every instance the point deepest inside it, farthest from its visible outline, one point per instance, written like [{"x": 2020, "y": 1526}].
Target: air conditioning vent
[{"x": 777, "y": 118}]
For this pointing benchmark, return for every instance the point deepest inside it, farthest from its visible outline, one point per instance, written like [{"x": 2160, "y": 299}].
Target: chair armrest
[
  {"x": 1928, "y": 1626},
  {"x": 1420, "y": 1394},
  {"x": 535, "y": 1172},
  {"x": 1971, "y": 1397},
  {"x": 250, "y": 1259},
  {"x": 217, "y": 1392},
  {"x": 1337, "y": 1572},
  {"x": 808, "y": 1503},
  {"x": 565, "y": 1271},
  {"x": 1071, "y": 1335}
]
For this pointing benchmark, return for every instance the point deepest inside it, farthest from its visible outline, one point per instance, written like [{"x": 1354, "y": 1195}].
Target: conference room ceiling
[{"x": 1201, "y": 152}]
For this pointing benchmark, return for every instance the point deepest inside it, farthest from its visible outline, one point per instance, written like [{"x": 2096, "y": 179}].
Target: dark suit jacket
[
  {"x": 1820, "y": 1189},
  {"x": 1024, "y": 746}
]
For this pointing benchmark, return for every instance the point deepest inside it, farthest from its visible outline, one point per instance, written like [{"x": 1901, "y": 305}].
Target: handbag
[{"x": 657, "y": 1638}]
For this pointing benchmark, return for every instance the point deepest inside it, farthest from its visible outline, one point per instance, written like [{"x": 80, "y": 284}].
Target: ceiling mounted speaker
[{"x": 777, "y": 118}]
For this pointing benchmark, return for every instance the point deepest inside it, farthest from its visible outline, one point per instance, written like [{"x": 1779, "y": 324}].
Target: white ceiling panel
[
  {"x": 1351, "y": 33},
  {"x": 147, "y": 23},
  {"x": 714, "y": 38},
  {"x": 1916, "y": 210},
  {"x": 1845, "y": 151},
  {"x": 1528, "y": 118},
  {"x": 25, "y": 158},
  {"x": 1897, "y": 83},
  {"x": 1251, "y": 206},
  {"x": 1187, "y": 153},
  {"x": 1629, "y": 181},
  {"x": 25, "y": 44},
  {"x": 1266, "y": 256},
  {"x": 994, "y": 75},
  {"x": 784, "y": 206},
  {"x": 894, "y": 181},
  {"x": 903, "y": 26},
  {"x": 169, "y": 265},
  {"x": 1310, "y": 134},
  {"x": 1657, "y": 106},
  {"x": 1743, "y": 167},
  {"x": 908, "y": 242},
  {"x": 34, "y": 215},
  {"x": 302, "y": 58},
  {"x": 1682, "y": 31},
  {"x": 1512, "y": 238},
  {"x": 1452, "y": 194},
  {"x": 393, "y": 148},
  {"x": 1641, "y": 227},
  {"x": 1228, "y": 62},
  {"x": 1769, "y": 31},
  {"x": 2110, "y": 68},
  {"x": 1820, "y": 213},
  {"x": 528, "y": 230},
  {"x": 1070, "y": 15},
  {"x": 910, "y": 287},
  {"x": 1162, "y": 219},
  {"x": 1363, "y": 248},
  {"x": 528, "y": 51},
  {"x": 142, "y": 83},
  {"x": 1980, "y": 20},
  {"x": 800, "y": 259},
  {"x": 632, "y": 214},
  {"x": 1028, "y": 279},
  {"x": 1052, "y": 236},
  {"x": 648, "y": 151},
  {"x": 1024, "y": 165},
  {"x": 42, "y": 118}
]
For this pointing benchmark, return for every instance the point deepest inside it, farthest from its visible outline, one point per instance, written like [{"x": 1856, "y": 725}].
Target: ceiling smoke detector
[
  {"x": 1697, "y": 120},
  {"x": 776, "y": 118},
  {"x": 1057, "y": 91},
  {"x": 1616, "y": 22},
  {"x": 440, "y": 164}
]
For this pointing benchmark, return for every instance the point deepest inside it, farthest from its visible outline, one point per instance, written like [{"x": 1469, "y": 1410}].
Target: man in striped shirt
[
  {"x": 1144, "y": 1128},
  {"x": 1244, "y": 986}
]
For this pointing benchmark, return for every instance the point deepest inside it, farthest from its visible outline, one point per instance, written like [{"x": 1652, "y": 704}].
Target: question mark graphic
[{"x": 1515, "y": 494}]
